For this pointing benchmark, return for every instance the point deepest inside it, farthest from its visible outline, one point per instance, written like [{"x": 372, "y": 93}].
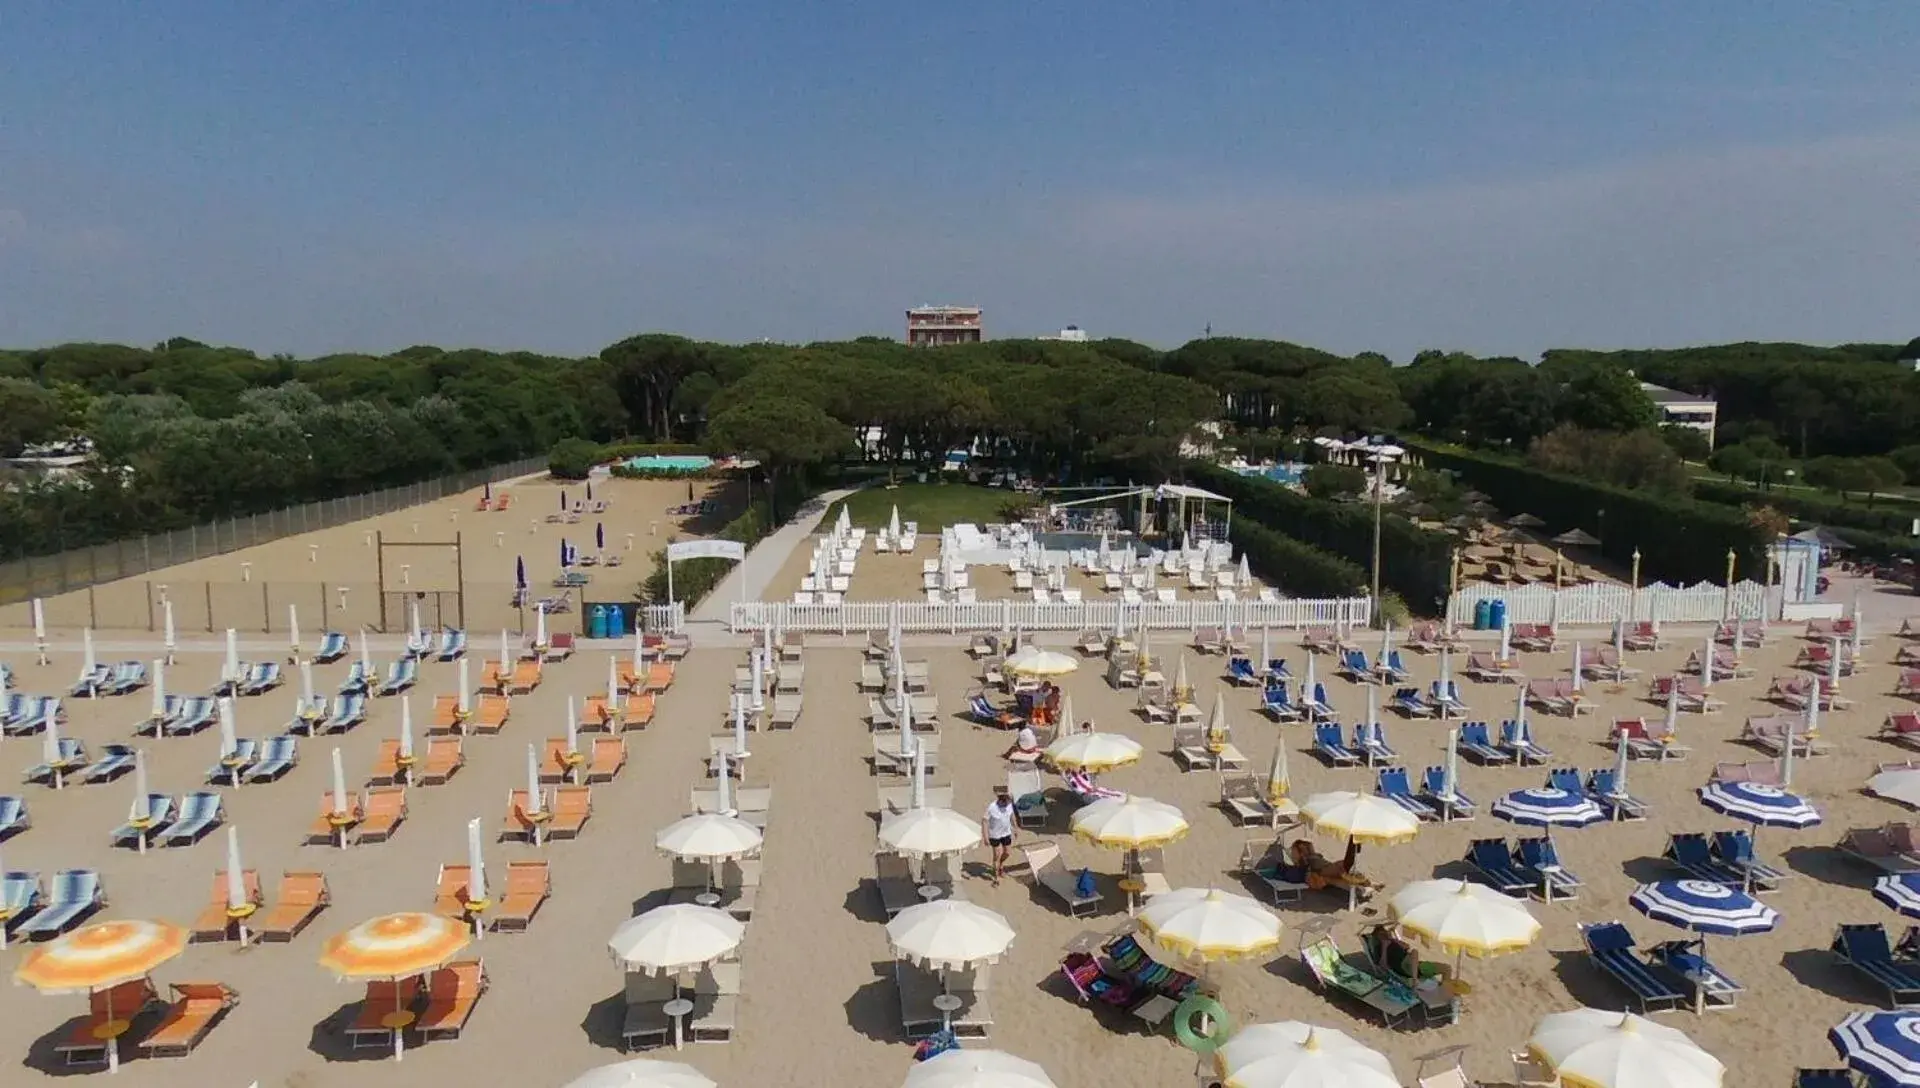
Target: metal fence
[
  {"x": 955, "y": 617},
  {"x": 50, "y": 576},
  {"x": 1601, "y": 603},
  {"x": 139, "y": 604}
]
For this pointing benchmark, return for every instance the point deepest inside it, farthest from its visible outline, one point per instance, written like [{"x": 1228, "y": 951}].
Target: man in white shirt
[{"x": 996, "y": 827}]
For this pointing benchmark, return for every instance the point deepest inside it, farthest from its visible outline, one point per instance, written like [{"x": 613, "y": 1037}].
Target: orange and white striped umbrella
[
  {"x": 101, "y": 955},
  {"x": 395, "y": 946}
]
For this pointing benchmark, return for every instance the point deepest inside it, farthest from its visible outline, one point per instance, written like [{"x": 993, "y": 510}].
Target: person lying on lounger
[
  {"x": 1025, "y": 749},
  {"x": 1322, "y": 873},
  {"x": 1082, "y": 784}
]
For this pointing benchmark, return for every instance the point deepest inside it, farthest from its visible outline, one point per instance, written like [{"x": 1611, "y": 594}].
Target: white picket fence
[
  {"x": 665, "y": 618},
  {"x": 1601, "y": 603},
  {"x": 957, "y": 617}
]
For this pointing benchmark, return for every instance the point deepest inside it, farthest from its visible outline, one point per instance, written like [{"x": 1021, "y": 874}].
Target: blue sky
[{"x": 1489, "y": 177}]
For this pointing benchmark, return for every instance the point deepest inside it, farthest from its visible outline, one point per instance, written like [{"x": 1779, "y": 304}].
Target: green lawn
[{"x": 934, "y": 506}]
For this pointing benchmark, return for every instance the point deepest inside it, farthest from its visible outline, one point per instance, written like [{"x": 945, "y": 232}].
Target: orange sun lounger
[
  {"x": 526, "y": 677},
  {"x": 659, "y": 676},
  {"x": 386, "y": 810},
  {"x": 553, "y": 763},
  {"x": 609, "y": 756},
  {"x": 445, "y": 755},
  {"x": 516, "y": 825},
  {"x": 572, "y": 807},
  {"x": 529, "y": 883},
  {"x": 638, "y": 713},
  {"x": 383, "y": 999},
  {"x": 386, "y": 765},
  {"x": 496, "y": 677},
  {"x": 302, "y": 896},
  {"x": 195, "y": 1009},
  {"x": 596, "y": 714},
  {"x": 492, "y": 713},
  {"x": 323, "y": 830},
  {"x": 450, "y": 893},
  {"x": 213, "y": 923},
  {"x": 452, "y": 993},
  {"x": 122, "y": 1002}
]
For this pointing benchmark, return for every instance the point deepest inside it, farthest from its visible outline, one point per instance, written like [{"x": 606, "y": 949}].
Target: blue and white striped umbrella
[
  {"x": 1884, "y": 1045},
  {"x": 1901, "y": 891},
  {"x": 1704, "y": 907},
  {"x": 1544, "y": 806},
  {"x": 1766, "y": 806}
]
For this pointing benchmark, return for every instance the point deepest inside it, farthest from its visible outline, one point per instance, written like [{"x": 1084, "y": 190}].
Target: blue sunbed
[
  {"x": 34, "y": 712},
  {"x": 357, "y": 680},
  {"x": 1522, "y": 746},
  {"x": 1276, "y": 670},
  {"x": 1391, "y": 670},
  {"x": 333, "y": 647},
  {"x": 1446, "y": 698},
  {"x": 92, "y": 683},
  {"x": 199, "y": 814},
  {"x": 1690, "y": 852},
  {"x": 1315, "y": 702},
  {"x": 1687, "y": 961},
  {"x": 127, "y": 678},
  {"x": 226, "y": 771},
  {"x": 1478, "y": 746},
  {"x": 1394, "y": 786},
  {"x": 1538, "y": 858},
  {"x": 400, "y": 676},
  {"x": 1328, "y": 745},
  {"x": 260, "y": 678},
  {"x": 19, "y": 897},
  {"x": 196, "y": 713},
  {"x": 1409, "y": 701},
  {"x": 1619, "y": 806},
  {"x": 309, "y": 723},
  {"x": 1734, "y": 849},
  {"x": 1492, "y": 861},
  {"x": 73, "y": 894},
  {"x": 1611, "y": 948},
  {"x": 1372, "y": 743},
  {"x": 1433, "y": 790},
  {"x": 278, "y": 756},
  {"x": 159, "y": 815},
  {"x": 72, "y": 753},
  {"x": 14, "y": 817},
  {"x": 1240, "y": 671},
  {"x": 350, "y": 711},
  {"x": 1864, "y": 948},
  {"x": 1274, "y": 700},
  {"x": 1353, "y": 665},
  {"x": 453, "y": 644},
  {"x": 419, "y": 644},
  {"x": 1565, "y": 779},
  {"x": 115, "y": 760}
]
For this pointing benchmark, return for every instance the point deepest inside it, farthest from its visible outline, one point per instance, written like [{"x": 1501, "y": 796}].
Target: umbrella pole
[
  {"x": 399, "y": 1030},
  {"x": 113, "y": 1041}
]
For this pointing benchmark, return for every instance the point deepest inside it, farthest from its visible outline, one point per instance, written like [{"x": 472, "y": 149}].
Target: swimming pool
[{"x": 670, "y": 462}]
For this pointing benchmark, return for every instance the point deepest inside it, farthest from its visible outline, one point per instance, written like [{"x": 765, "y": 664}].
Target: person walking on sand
[{"x": 996, "y": 827}]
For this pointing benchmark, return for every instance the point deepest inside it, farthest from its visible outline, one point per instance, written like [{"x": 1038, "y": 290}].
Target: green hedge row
[
  {"x": 620, "y": 451},
  {"x": 1414, "y": 562},
  {"x": 1681, "y": 540},
  {"x": 1295, "y": 568},
  {"x": 1893, "y": 517}
]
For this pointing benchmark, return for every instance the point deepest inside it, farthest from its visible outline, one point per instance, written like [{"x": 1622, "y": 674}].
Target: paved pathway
[{"x": 758, "y": 570}]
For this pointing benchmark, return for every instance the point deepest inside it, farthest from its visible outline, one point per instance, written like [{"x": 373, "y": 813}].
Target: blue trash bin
[
  {"x": 597, "y": 622},
  {"x": 1497, "y": 615},
  {"x": 1482, "y": 614},
  {"x": 617, "y": 622}
]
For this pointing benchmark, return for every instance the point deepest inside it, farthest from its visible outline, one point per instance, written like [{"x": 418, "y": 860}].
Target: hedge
[
  {"x": 1681, "y": 540},
  {"x": 1893, "y": 517},
  {"x": 620, "y": 451},
  {"x": 1415, "y": 563},
  {"x": 693, "y": 579},
  {"x": 1294, "y": 568}
]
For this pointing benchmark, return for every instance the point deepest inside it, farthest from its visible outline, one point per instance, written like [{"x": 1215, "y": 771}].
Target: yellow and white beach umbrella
[
  {"x": 1291, "y": 1054},
  {"x": 710, "y": 837},
  {"x": 1093, "y": 751},
  {"x": 642, "y": 1073},
  {"x": 929, "y": 832},
  {"x": 949, "y": 935},
  {"x": 100, "y": 957},
  {"x": 675, "y": 938},
  {"x": 1464, "y": 918},
  {"x": 976, "y": 1069},
  {"x": 1129, "y": 823},
  {"x": 1034, "y": 661},
  {"x": 1364, "y": 817},
  {"x": 1590, "y": 1048},
  {"x": 1207, "y": 924}
]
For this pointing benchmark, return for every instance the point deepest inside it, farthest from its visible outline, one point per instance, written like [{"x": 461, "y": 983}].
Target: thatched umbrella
[
  {"x": 1577, "y": 538},
  {"x": 1525, "y": 521}
]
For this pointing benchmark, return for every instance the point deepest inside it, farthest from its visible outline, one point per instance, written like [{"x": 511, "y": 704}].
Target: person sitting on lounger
[
  {"x": 1083, "y": 785},
  {"x": 1025, "y": 749},
  {"x": 1322, "y": 873}
]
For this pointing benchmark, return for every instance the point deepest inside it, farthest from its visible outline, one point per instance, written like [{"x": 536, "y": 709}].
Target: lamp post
[{"x": 1633, "y": 599}]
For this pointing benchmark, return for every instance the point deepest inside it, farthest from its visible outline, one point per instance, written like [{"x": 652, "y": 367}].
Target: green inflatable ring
[{"x": 1201, "y": 1005}]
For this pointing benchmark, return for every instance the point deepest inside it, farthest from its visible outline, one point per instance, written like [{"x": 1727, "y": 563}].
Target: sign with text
[{"x": 706, "y": 549}]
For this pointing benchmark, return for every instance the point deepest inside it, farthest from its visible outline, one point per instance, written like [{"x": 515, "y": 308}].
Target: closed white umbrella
[
  {"x": 1245, "y": 578},
  {"x": 366, "y": 657},
  {"x": 1833, "y": 664},
  {"x": 540, "y": 627},
  {"x": 88, "y": 660},
  {"x": 293, "y": 628},
  {"x": 1279, "y": 778},
  {"x": 309, "y": 702},
  {"x": 1673, "y": 708},
  {"x": 534, "y": 799},
  {"x": 415, "y": 633},
  {"x": 464, "y": 695},
  {"x": 406, "y": 737},
  {"x": 1067, "y": 720},
  {"x": 739, "y": 727},
  {"x": 642, "y": 1073},
  {"x": 230, "y": 671},
  {"x": 573, "y": 727},
  {"x": 1506, "y": 638},
  {"x": 949, "y": 935},
  {"x": 725, "y": 781},
  {"x": 1591, "y": 1048},
  {"x": 1706, "y": 662},
  {"x": 917, "y": 784},
  {"x": 1311, "y": 681},
  {"x": 971, "y": 1068},
  {"x": 340, "y": 805},
  {"x": 1450, "y": 785},
  {"x": 166, "y": 627},
  {"x": 140, "y": 814},
  {"x": 674, "y": 939},
  {"x": 239, "y": 907},
  {"x": 1579, "y": 669},
  {"x": 229, "y": 741},
  {"x": 759, "y": 680},
  {"x": 893, "y": 523},
  {"x": 159, "y": 690},
  {"x": 1291, "y": 1054},
  {"x": 1386, "y": 642},
  {"x": 929, "y": 832},
  {"x": 1266, "y": 649},
  {"x": 506, "y": 655},
  {"x": 1182, "y": 688}
]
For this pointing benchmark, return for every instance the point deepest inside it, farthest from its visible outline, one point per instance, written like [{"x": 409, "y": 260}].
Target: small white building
[
  {"x": 1072, "y": 334},
  {"x": 1679, "y": 409}
]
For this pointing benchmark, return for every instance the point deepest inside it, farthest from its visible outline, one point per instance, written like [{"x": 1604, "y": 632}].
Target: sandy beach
[
  {"x": 333, "y": 576},
  {"x": 818, "y": 1007}
]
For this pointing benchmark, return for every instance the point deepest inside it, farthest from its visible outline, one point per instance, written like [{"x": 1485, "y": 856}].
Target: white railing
[
  {"x": 957, "y": 617},
  {"x": 665, "y": 618},
  {"x": 1601, "y": 603}
]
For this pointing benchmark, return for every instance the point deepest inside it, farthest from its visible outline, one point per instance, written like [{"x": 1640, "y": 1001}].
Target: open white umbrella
[
  {"x": 1296, "y": 1055},
  {"x": 1033, "y": 661},
  {"x": 1364, "y": 817},
  {"x": 674, "y": 939},
  {"x": 1206, "y": 925},
  {"x": 1130, "y": 823},
  {"x": 949, "y": 935},
  {"x": 642, "y": 1073},
  {"x": 1464, "y": 918},
  {"x": 929, "y": 832},
  {"x": 711, "y": 837},
  {"x": 971, "y": 1068},
  {"x": 1093, "y": 751},
  {"x": 1590, "y": 1048}
]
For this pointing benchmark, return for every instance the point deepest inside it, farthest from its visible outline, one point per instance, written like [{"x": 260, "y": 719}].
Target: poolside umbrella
[
  {"x": 1579, "y": 678},
  {"x": 1362, "y": 817},
  {"x": 971, "y": 1068},
  {"x": 949, "y": 935},
  {"x": 929, "y": 832},
  {"x": 1291, "y": 1054},
  {"x": 1901, "y": 784},
  {"x": 1547, "y": 808},
  {"x": 642, "y": 1073},
  {"x": 1128, "y": 823},
  {"x": 1704, "y": 907},
  {"x": 675, "y": 939},
  {"x": 394, "y": 947},
  {"x": 520, "y": 572},
  {"x": 1592, "y": 1048},
  {"x": 1901, "y": 891},
  {"x": 1034, "y": 661},
  {"x": 1464, "y": 918},
  {"x": 100, "y": 957},
  {"x": 50, "y": 750},
  {"x": 1207, "y": 925},
  {"x": 1883, "y": 1045},
  {"x": 1093, "y": 752}
]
